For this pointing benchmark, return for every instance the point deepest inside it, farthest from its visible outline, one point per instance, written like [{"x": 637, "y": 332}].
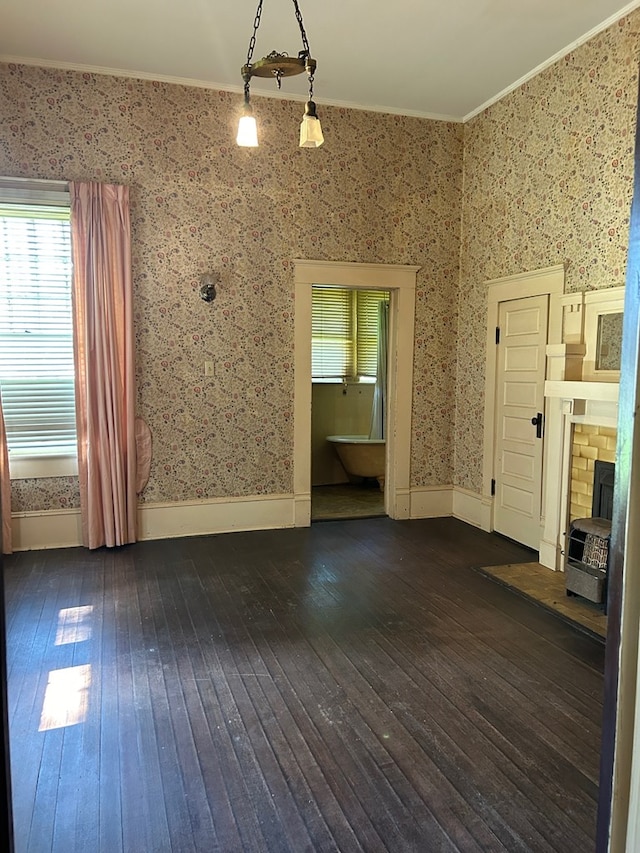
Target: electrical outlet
[{"x": 209, "y": 368}]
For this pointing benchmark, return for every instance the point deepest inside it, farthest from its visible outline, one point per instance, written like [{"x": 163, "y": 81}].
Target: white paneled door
[{"x": 521, "y": 344}]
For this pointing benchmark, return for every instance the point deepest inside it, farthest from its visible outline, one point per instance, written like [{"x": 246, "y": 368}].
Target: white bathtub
[{"x": 361, "y": 456}]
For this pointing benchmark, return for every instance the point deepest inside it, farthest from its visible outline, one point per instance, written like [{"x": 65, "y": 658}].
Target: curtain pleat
[
  {"x": 104, "y": 362},
  {"x": 5, "y": 488}
]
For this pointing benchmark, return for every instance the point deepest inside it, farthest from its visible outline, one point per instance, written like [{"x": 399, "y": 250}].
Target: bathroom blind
[
  {"x": 367, "y": 330},
  {"x": 345, "y": 332},
  {"x": 332, "y": 333},
  {"x": 36, "y": 336}
]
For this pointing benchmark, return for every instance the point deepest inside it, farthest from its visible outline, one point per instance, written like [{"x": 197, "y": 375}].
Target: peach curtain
[
  {"x": 104, "y": 362},
  {"x": 5, "y": 487}
]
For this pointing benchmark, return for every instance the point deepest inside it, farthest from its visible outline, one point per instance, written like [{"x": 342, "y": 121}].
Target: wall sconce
[
  {"x": 279, "y": 65},
  {"x": 208, "y": 286}
]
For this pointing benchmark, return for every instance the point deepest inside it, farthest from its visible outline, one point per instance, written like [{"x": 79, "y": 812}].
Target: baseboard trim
[
  {"x": 431, "y": 502},
  {"x": 403, "y": 504},
  {"x": 302, "y": 509},
  {"x": 39, "y": 530},
  {"x": 62, "y": 528},
  {"x": 472, "y": 508},
  {"x": 550, "y": 555},
  {"x": 217, "y": 515}
]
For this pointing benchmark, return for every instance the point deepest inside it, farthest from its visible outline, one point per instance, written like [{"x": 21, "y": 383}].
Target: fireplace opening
[{"x": 603, "y": 482}]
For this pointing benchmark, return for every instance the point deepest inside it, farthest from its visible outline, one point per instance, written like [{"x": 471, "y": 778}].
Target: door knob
[{"x": 537, "y": 423}]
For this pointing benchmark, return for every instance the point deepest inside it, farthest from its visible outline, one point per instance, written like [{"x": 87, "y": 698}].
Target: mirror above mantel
[
  {"x": 609, "y": 346},
  {"x": 603, "y": 313}
]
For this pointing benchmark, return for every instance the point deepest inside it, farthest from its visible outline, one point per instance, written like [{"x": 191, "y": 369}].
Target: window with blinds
[
  {"x": 36, "y": 335},
  {"x": 344, "y": 332}
]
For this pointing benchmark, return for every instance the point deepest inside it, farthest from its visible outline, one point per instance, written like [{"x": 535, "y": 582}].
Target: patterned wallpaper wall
[
  {"x": 384, "y": 189},
  {"x": 548, "y": 180}
]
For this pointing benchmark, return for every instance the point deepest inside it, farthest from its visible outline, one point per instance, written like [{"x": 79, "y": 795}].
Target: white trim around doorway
[{"x": 400, "y": 281}]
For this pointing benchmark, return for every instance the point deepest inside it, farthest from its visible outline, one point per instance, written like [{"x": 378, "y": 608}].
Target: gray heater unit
[{"x": 588, "y": 543}]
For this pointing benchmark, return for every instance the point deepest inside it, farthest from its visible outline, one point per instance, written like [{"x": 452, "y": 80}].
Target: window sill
[
  {"x": 362, "y": 380},
  {"x": 38, "y": 467}
]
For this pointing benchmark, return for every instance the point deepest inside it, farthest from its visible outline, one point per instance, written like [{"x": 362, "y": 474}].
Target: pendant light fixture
[{"x": 279, "y": 65}]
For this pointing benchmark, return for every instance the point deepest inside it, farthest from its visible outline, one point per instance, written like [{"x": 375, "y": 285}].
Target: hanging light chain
[
  {"x": 305, "y": 42},
  {"x": 306, "y": 52},
  {"x": 252, "y": 40},
  {"x": 252, "y": 43}
]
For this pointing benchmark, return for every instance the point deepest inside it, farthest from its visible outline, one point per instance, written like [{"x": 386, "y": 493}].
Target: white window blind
[
  {"x": 367, "y": 330},
  {"x": 36, "y": 335},
  {"x": 344, "y": 332},
  {"x": 332, "y": 333}
]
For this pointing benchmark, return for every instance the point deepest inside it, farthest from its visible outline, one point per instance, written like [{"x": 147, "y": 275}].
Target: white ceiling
[{"x": 433, "y": 58}]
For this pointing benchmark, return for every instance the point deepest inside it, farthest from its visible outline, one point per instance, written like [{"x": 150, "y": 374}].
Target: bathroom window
[{"x": 345, "y": 333}]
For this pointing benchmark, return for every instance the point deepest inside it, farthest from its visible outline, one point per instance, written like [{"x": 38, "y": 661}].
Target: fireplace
[{"x": 582, "y": 408}]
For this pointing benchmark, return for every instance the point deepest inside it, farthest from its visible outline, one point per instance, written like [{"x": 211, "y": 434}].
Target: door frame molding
[
  {"x": 400, "y": 281},
  {"x": 618, "y": 826},
  {"x": 543, "y": 282}
]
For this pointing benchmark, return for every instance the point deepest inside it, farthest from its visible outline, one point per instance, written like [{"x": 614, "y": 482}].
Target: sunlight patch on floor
[
  {"x": 74, "y": 625},
  {"x": 66, "y": 698}
]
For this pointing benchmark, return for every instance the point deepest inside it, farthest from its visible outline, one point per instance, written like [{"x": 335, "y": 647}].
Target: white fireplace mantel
[
  {"x": 578, "y": 390},
  {"x": 567, "y": 402}
]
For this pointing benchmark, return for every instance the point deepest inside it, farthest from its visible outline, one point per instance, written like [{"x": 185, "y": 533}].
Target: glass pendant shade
[
  {"x": 310, "y": 133},
  {"x": 310, "y": 129},
  {"x": 247, "y": 132}
]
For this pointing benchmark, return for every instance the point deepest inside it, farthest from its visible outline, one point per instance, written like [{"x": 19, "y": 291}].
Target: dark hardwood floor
[{"x": 354, "y": 686}]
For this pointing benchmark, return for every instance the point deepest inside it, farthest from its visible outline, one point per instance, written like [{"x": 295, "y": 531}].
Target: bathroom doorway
[
  {"x": 349, "y": 357},
  {"x": 400, "y": 281}
]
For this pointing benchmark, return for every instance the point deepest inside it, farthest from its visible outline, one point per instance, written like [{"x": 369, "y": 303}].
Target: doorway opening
[
  {"x": 349, "y": 357},
  {"x": 400, "y": 282}
]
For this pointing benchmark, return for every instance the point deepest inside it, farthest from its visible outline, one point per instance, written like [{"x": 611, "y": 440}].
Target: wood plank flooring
[{"x": 353, "y": 686}]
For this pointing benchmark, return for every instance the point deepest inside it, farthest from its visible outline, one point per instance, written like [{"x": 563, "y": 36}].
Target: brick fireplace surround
[{"x": 591, "y": 444}]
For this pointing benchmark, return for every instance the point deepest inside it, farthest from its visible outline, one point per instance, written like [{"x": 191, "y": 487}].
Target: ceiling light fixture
[{"x": 279, "y": 65}]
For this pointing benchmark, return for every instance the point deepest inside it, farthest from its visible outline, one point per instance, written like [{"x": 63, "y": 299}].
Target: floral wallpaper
[
  {"x": 384, "y": 189},
  {"x": 548, "y": 179}
]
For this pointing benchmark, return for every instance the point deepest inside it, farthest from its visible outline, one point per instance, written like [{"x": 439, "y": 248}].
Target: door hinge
[
  {"x": 497, "y": 335},
  {"x": 493, "y": 488}
]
